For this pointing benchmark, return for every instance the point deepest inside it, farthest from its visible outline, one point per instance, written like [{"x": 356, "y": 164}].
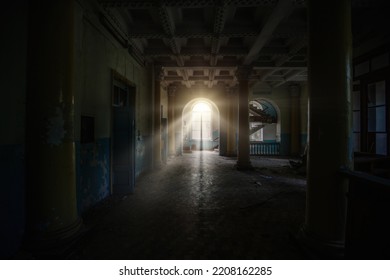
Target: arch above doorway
[
  {"x": 200, "y": 125},
  {"x": 265, "y": 127}
]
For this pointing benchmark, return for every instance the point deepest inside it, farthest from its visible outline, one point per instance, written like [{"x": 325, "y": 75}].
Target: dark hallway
[
  {"x": 162, "y": 129},
  {"x": 200, "y": 207}
]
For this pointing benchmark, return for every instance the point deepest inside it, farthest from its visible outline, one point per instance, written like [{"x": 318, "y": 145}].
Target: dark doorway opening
[{"x": 123, "y": 137}]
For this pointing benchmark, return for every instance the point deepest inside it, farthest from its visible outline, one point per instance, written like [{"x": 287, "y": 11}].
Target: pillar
[
  {"x": 294, "y": 91},
  {"x": 158, "y": 77},
  {"x": 243, "y": 160},
  {"x": 223, "y": 122},
  {"x": 51, "y": 211},
  {"x": 231, "y": 126},
  {"x": 171, "y": 121},
  {"x": 330, "y": 137}
]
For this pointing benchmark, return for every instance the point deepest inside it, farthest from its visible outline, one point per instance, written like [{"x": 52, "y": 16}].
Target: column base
[
  {"x": 244, "y": 166},
  {"x": 54, "y": 244},
  {"x": 319, "y": 248}
]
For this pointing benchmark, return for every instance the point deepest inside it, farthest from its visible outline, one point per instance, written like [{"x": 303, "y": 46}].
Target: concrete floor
[{"x": 198, "y": 206}]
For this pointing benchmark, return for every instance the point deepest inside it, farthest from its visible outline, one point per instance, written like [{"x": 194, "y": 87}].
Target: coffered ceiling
[{"x": 201, "y": 43}]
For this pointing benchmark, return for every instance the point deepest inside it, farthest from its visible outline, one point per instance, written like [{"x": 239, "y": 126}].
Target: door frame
[{"x": 132, "y": 91}]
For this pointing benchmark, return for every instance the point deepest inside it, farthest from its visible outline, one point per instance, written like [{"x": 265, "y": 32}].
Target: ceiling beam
[
  {"x": 184, "y": 74},
  {"x": 197, "y": 51},
  {"x": 144, "y": 4},
  {"x": 268, "y": 74},
  {"x": 219, "y": 24},
  {"x": 282, "y": 9},
  {"x": 185, "y": 33},
  {"x": 294, "y": 49},
  {"x": 169, "y": 28},
  {"x": 280, "y": 68},
  {"x": 211, "y": 77},
  {"x": 208, "y": 67},
  {"x": 289, "y": 78}
]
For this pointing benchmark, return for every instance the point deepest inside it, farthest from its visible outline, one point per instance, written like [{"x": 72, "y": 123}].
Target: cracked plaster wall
[{"x": 96, "y": 55}]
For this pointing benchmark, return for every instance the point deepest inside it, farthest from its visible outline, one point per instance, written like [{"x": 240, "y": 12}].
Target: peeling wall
[
  {"x": 97, "y": 54},
  {"x": 93, "y": 170}
]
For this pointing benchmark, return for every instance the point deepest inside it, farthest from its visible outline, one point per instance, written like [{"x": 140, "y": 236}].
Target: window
[
  {"x": 376, "y": 118},
  {"x": 356, "y": 121},
  {"x": 201, "y": 121}
]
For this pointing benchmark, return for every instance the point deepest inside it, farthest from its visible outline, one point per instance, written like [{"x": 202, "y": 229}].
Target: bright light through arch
[
  {"x": 201, "y": 121},
  {"x": 201, "y": 107}
]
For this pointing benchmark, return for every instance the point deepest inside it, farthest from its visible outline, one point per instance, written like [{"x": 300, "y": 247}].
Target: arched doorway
[
  {"x": 200, "y": 122},
  {"x": 264, "y": 127}
]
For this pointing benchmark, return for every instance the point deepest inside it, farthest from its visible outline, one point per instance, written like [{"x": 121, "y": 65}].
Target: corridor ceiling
[{"x": 201, "y": 43}]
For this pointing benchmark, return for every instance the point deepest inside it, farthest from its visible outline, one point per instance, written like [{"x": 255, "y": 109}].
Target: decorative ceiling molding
[{"x": 214, "y": 36}]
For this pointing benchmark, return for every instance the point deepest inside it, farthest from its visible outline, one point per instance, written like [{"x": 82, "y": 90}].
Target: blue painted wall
[
  {"x": 93, "y": 171},
  {"x": 269, "y": 141},
  {"x": 12, "y": 193}
]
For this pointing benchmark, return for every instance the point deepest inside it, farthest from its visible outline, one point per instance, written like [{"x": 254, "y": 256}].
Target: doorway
[
  {"x": 123, "y": 138},
  {"x": 201, "y": 125}
]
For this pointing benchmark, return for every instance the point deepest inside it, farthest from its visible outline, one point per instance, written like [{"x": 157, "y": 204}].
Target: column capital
[
  {"x": 158, "y": 73},
  {"x": 243, "y": 72},
  {"x": 172, "y": 90}
]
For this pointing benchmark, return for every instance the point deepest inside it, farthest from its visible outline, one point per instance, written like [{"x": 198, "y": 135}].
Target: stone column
[
  {"x": 223, "y": 122},
  {"x": 330, "y": 134},
  {"x": 231, "y": 125},
  {"x": 171, "y": 121},
  {"x": 295, "y": 119},
  {"x": 158, "y": 77},
  {"x": 243, "y": 160},
  {"x": 51, "y": 210}
]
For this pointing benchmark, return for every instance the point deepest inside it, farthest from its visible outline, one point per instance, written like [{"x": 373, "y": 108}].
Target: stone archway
[{"x": 200, "y": 125}]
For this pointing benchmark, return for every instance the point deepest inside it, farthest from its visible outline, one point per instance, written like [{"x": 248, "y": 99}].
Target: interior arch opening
[
  {"x": 200, "y": 122},
  {"x": 264, "y": 127}
]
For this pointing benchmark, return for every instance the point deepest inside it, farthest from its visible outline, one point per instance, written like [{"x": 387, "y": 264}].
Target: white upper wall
[{"x": 97, "y": 53}]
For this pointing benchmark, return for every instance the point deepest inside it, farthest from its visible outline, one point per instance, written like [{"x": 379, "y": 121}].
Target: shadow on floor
[{"x": 200, "y": 207}]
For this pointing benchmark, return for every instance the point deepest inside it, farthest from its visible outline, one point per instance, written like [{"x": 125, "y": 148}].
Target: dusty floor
[{"x": 199, "y": 206}]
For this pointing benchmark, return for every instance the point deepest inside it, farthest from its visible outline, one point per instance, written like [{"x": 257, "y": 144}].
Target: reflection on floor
[{"x": 200, "y": 207}]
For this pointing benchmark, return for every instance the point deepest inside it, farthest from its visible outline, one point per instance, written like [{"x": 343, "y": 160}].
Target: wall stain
[
  {"x": 93, "y": 173},
  {"x": 55, "y": 132},
  {"x": 93, "y": 169}
]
